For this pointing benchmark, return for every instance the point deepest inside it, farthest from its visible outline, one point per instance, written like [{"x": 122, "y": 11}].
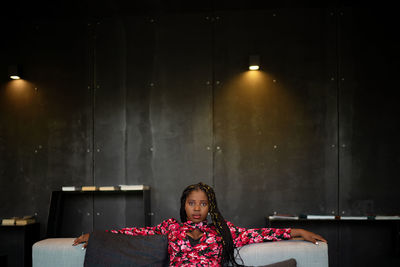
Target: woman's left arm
[
  {"x": 243, "y": 236},
  {"x": 307, "y": 236}
]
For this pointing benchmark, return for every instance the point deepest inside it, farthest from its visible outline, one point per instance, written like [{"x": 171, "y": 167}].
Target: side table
[{"x": 16, "y": 244}]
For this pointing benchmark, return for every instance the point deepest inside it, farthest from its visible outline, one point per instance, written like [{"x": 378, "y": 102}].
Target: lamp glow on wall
[
  {"x": 254, "y": 62},
  {"x": 14, "y": 72}
]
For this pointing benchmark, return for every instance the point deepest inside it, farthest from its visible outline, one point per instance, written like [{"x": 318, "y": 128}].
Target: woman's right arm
[
  {"x": 127, "y": 231},
  {"x": 137, "y": 231},
  {"x": 82, "y": 239},
  {"x": 161, "y": 229}
]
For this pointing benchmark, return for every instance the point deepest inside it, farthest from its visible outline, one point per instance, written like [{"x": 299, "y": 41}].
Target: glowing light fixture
[
  {"x": 254, "y": 62},
  {"x": 14, "y": 72}
]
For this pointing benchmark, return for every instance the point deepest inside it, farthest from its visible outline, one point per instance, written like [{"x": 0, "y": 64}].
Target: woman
[{"x": 194, "y": 242}]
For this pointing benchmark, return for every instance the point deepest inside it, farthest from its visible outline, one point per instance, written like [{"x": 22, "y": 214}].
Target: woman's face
[{"x": 196, "y": 206}]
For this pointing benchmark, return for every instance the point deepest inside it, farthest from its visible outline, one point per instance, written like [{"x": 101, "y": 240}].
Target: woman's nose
[{"x": 197, "y": 207}]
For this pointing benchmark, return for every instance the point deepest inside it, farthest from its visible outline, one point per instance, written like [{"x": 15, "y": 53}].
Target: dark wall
[
  {"x": 163, "y": 97},
  {"x": 276, "y": 127}
]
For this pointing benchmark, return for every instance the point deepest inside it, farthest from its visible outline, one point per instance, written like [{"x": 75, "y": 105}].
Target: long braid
[{"x": 217, "y": 220}]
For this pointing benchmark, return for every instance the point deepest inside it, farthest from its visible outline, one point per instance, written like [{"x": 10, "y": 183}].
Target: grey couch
[{"x": 60, "y": 252}]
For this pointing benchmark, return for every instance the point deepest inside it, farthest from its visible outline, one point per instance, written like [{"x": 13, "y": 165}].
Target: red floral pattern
[{"x": 207, "y": 251}]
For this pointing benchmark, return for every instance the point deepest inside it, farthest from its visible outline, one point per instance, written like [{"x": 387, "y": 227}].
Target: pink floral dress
[{"x": 207, "y": 252}]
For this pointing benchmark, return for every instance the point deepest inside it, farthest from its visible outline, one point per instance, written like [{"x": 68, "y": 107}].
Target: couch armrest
[{"x": 57, "y": 252}]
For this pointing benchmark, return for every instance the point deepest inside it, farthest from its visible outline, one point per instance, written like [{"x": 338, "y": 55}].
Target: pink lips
[{"x": 196, "y": 216}]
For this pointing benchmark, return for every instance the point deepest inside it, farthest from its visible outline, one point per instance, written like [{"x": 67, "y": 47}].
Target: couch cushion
[
  {"x": 108, "y": 249},
  {"x": 305, "y": 253},
  {"x": 287, "y": 263},
  {"x": 57, "y": 252}
]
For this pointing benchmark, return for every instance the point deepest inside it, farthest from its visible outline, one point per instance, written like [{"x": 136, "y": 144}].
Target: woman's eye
[
  {"x": 191, "y": 203},
  {"x": 204, "y": 204}
]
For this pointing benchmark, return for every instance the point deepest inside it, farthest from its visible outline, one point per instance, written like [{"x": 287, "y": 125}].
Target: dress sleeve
[
  {"x": 243, "y": 236},
  {"x": 161, "y": 229}
]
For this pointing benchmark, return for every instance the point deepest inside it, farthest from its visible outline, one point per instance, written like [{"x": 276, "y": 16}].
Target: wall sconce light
[
  {"x": 254, "y": 62},
  {"x": 14, "y": 72}
]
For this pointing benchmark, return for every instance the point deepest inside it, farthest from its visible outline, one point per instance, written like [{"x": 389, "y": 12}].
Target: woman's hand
[
  {"x": 307, "y": 236},
  {"x": 82, "y": 239}
]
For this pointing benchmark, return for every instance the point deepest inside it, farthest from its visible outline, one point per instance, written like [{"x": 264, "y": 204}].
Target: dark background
[{"x": 159, "y": 93}]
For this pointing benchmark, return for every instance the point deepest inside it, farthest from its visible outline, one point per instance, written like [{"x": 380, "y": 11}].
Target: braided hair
[{"x": 217, "y": 220}]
